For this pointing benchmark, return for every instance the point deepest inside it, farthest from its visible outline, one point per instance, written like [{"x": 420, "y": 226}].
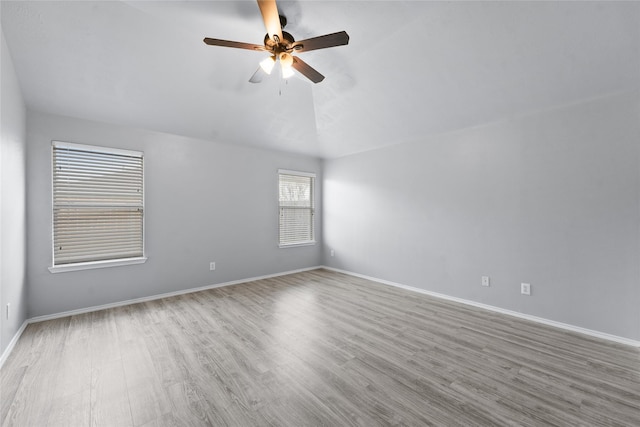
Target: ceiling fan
[{"x": 281, "y": 45}]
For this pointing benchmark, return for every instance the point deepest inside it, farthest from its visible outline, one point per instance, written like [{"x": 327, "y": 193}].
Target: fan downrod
[{"x": 277, "y": 46}]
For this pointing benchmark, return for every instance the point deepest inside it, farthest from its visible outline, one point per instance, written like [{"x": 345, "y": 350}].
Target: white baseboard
[
  {"x": 7, "y": 351},
  {"x": 14, "y": 340},
  {"x": 572, "y": 328},
  {"x": 160, "y": 296}
]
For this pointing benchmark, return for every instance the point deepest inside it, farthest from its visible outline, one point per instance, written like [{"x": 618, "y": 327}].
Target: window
[
  {"x": 98, "y": 206},
  {"x": 296, "y": 194}
]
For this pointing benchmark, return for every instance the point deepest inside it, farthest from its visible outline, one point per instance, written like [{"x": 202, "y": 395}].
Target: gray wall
[
  {"x": 205, "y": 201},
  {"x": 552, "y": 199},
  {"x": 13, "y": 288}
]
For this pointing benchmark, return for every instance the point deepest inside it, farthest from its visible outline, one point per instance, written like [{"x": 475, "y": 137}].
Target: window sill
[
  {"x": 296, "y": 245},
  {"x": 96, "y": 264}
]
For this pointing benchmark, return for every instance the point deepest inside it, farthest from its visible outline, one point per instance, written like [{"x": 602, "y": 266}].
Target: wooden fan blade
[
  {"x": 271, "y": 18},
  {"x": 306, "y": 70},
  {"x": 258, "y": 75},
  {"x": 321, "y": 42},
  {"x": 227, "y": 43}
]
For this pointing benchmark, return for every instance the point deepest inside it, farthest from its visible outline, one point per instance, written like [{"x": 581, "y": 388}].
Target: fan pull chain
[
  {"x": 280, "y": 85},
  {"x": 286, "y": 82}
]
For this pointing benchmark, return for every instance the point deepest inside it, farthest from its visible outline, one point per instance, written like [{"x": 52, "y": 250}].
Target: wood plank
[
  {"x": 109, "y": 401},
  {"x": 38, "y": 384}
]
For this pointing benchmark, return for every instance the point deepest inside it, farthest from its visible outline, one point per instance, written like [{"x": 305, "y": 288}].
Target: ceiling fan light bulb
[
  {"x": 267, "y": 64},
  {"x": 287, "y": 72}
]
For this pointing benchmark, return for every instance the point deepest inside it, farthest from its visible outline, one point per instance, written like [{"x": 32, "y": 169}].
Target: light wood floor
[{"x": 313, "y": 349}]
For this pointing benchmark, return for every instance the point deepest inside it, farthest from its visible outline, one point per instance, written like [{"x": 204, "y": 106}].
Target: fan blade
[
  {"x": 271, "y": 18},
  {"x": 258, "y": 75},
  {"x": 306, "y": 70},
  {"x": 321, "y": 42},
  {"x": 227, "y": 43}
]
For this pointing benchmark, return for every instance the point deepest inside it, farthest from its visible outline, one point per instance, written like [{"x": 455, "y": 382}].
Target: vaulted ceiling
[{"x": 411, "y": 69}]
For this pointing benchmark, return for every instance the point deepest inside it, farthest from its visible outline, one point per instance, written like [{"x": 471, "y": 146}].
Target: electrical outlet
[
  {"x": 333, "y": 253},
  {"x": 485, "y": 280},
  {"x": 8, "y": 305},
  {"x": 212, "y": 266},
  {"x": 525, "y": 288}
]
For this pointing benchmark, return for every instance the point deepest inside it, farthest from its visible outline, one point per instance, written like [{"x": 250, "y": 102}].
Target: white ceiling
[{"x": 411, "y": 68}]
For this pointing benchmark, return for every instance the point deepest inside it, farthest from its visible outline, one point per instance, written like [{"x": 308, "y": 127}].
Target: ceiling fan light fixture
[
  {"x": 286, "y": 63},
  {"x": 286, "y": 60},
  {"x": 267, "y": 64}
]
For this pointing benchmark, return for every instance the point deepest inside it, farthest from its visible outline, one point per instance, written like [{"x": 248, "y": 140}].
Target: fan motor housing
[{"x": 280, "y": 45}]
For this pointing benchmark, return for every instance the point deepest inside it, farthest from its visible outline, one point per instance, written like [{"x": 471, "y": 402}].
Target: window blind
[
  {"x": 296, "y": 202},
  {"x": 98, "y": 204}
]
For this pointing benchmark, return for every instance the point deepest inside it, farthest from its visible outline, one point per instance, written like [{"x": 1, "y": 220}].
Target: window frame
[
  {"x": 86, "y": 265},
  {"x": 313, "y": 240}
]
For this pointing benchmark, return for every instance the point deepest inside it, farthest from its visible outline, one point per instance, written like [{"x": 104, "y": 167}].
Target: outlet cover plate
[
  {"x": 525, "y": 288},
  {"x": 485, "y": 281}
]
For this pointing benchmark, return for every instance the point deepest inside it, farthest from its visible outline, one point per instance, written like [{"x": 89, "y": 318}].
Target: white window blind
[
  {"x": 98, "y": 204},
  {"x": 296, "y": 202}
]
